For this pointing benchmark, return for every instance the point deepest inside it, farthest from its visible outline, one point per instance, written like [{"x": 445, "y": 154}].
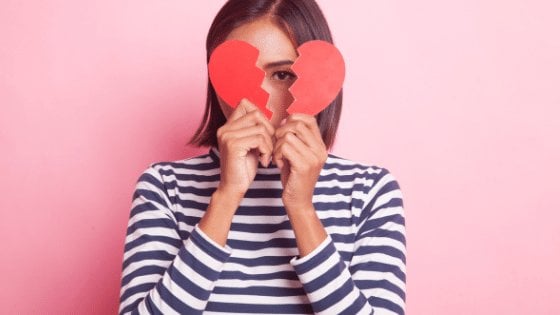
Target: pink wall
[{"x": 459, "y": 99}]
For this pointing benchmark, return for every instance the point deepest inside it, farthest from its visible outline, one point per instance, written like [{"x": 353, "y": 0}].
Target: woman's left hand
[{"x": 300, "y": 153}]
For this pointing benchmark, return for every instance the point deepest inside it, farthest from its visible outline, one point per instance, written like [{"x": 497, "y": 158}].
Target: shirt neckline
[{"x": 214, "y": 153}]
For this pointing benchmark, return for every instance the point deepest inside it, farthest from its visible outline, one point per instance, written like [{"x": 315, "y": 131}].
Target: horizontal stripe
[{"x": 170, "y": 266}]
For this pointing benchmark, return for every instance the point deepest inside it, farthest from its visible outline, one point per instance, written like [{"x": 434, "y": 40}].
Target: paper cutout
[
  {"x": 319, "y": 69},
  {"x": 234, "y": 74}
]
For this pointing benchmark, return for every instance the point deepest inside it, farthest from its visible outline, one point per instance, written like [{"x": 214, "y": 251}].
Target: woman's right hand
[{"x": 243, "y": 140}]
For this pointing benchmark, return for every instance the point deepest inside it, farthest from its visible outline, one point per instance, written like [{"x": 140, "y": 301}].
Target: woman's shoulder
[
  {"x": 196, "y": 162},
  {"x": 366, "y": 175},
  {"x": 338, "y": 164},
  {"x": 375, "y": 185},
  {"x": 198, "y": 167}
]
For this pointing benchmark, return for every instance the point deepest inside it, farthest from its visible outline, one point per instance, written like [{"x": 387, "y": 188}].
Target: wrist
[
  {"x": 308, "y": 229},
  {"x": 299, "y": 208},
  {"x": 216, "y": 221},
  {"x": 228, "y": 194}
]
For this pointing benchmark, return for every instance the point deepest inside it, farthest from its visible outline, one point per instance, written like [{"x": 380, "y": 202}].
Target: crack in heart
[{"x": 319, "y": 69}]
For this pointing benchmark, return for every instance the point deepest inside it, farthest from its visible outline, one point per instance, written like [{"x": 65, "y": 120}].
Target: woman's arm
[
  {"x": 161, "y": 272},
  {"x": 375, "y": 279},
  {"x": 242, "y": 140},
  {"x": 300, "y": 154}
]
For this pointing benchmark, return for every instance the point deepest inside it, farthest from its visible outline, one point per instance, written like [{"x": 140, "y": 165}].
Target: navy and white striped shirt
[{"x": 170, "y": 266}]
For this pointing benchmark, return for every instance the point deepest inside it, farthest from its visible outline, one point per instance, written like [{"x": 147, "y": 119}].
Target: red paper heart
[
  {"x": 319, "y": 70},
  {"x": 234, "y": 74}
]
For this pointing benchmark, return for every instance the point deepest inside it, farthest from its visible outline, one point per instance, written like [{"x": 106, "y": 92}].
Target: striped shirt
[{"x": 171, "y": 267}]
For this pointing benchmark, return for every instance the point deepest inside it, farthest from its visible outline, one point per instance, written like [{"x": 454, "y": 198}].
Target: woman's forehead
[{"x": 271, "y": 40}]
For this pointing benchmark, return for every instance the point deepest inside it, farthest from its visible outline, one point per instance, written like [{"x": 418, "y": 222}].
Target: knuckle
[
  {"x": 254, "y": 114},
  {"x": 225, "y": 136},
  {"x": 230, "y": 142},
  {"x": 290, "y": 137}
]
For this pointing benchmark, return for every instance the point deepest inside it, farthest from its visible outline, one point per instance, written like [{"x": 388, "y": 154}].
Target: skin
[{"x": 292, "y": 142}]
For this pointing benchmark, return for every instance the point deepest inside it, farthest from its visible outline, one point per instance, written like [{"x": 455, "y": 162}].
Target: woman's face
[{"x": 276, "y": 54}]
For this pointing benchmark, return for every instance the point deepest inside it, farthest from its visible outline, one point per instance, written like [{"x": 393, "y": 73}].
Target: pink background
[{"x": 459, "y": 99}]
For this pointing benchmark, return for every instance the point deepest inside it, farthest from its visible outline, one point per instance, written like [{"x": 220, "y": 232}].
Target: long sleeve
[
  {"x": 161, "y": 272},
  {"x": 171, "y": 267},
  {"x": 374, "y": 280}
]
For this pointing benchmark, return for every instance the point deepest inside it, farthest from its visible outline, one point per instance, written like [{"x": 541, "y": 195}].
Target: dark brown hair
[{"x": 302, "y": 20}]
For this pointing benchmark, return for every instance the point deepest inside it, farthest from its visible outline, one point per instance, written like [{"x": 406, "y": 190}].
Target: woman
[{"x": 266, "y": 222}]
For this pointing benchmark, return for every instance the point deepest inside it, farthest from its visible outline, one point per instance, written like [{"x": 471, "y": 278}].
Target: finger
[
  {"x": 277, "y": 153},
  {"x": 231, "y": 135},
  {"x": 303, "y": 119},
  {"x": 309, "y": 121},
  {"x": 251, "y": 119},
  {"x": 301, "y": 130},
  {"x": 299, "y": 147},
  {"x": 258, "y": 142},
  {"x": 315, "y": 141},
  {"x": 245, "y": 132},
  {"x": 244, "y": 107},
  {"x": 263, "y": 144},
  {"x": 252, "y": 108},
  {"x": 292, "y": 150}
]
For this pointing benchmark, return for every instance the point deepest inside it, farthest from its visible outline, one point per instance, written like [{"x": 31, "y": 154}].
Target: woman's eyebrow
[{"x": 278, "y": 64}]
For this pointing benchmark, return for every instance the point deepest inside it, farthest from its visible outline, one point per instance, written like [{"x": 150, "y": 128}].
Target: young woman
[{"x": 268, "y": 221}]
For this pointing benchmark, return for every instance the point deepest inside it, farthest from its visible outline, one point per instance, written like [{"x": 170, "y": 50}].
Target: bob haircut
[{"x": 302, "y": 20}]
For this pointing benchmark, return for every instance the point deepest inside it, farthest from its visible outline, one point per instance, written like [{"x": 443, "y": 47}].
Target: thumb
[{"x": 245, "y": 106}]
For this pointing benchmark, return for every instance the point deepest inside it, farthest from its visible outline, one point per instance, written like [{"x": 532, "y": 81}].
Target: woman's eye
[{"x": 283, "y": 75}]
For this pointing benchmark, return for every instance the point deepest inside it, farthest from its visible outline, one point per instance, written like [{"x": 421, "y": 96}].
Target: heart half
[
  {"x": 319, "y": 69},
  {"x": 234, "y": 74}
]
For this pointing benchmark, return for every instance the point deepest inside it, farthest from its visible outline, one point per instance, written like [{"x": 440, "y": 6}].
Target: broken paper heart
[{"x": 319, "y": 69}]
